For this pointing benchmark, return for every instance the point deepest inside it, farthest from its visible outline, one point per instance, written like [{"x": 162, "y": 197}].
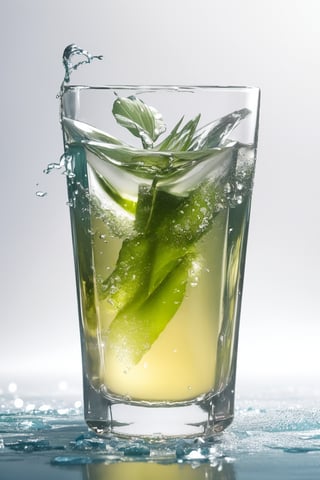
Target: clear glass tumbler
[{"x": 160, "y": 182}]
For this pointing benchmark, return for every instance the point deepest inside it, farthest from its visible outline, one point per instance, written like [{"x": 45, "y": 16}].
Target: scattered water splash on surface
[
  {"x": 57, "y": 430},
  {"x": 97, "y": 450}
]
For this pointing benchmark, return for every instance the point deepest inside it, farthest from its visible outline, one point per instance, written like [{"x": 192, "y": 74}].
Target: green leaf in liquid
[
  {"x": 179, "y": 141},
  {"x": 135, "y": 329},
  {"x": 131, "y": 274}
]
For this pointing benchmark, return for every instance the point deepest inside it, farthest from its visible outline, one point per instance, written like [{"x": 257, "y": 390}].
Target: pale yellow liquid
[{"x": 181, "y": 363}]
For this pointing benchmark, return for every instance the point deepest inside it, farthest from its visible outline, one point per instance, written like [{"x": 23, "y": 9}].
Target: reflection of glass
[
  {"x": 155, "y": 471},
  {"x": 160, "y": 210}
]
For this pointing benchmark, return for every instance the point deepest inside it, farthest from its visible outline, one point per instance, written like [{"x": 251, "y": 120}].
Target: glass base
[{"x": 196, "y": 419}]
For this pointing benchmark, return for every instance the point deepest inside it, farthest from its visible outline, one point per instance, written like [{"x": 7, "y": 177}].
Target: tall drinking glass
[{"x": 160, "y": 182}]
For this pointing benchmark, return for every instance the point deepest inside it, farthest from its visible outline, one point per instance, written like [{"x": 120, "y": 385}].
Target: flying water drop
[
  {"x": 71, "y": 51},
  {"x": 41, "y": 194}
]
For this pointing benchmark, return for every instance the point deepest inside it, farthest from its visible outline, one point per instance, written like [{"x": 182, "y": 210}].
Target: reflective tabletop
[{"x": 275, "y": 434}]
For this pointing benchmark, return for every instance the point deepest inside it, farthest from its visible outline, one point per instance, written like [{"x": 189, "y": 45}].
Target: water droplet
[
  {"x": 12, "y": 387},
  {"x": 41, "y": 194},
  {"x": 63, "y": 385},
  {"x": 18, "y": 403},
  {"x": 44, "y": 408},
  {"x": 63, "y": 411},
  {"x": 50, "y": 167}
]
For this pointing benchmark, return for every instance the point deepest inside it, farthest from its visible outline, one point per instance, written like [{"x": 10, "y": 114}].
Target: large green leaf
[{"x": 135, "y": 329}]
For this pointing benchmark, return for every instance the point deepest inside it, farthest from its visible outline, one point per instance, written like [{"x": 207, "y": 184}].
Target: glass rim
[{"x": 164, "y": 87}]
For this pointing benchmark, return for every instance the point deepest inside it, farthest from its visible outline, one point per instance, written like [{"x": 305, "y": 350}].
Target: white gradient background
[{"x": 273, "y": 44}]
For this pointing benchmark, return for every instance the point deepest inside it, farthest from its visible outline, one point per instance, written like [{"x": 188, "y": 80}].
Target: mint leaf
[
  {"x": 141, "y": 120},
  {"x": 180, "y": 141}
]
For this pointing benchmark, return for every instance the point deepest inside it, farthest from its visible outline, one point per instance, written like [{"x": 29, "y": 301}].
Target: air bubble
[{"x": 227, "y": 188}]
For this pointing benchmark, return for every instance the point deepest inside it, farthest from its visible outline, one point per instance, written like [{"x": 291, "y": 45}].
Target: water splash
[
  {"x": 71, "y": 51},
  {"x": 65, "y": 161}
]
